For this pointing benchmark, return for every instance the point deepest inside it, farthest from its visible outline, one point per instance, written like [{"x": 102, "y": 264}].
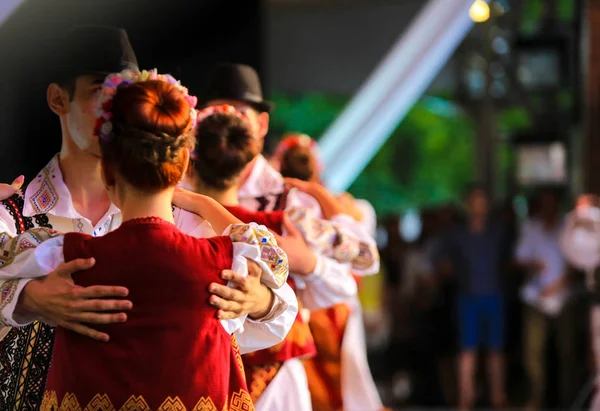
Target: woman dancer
[
  {"x": 339, "y": 377},
  {"x": 172, "y": 352},
  {"x": 225, "y": 145}
]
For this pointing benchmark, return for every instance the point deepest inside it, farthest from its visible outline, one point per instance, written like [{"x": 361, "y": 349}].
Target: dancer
[
  {"x": 225, "y": 145},
  {"x": 262, "y": 188},
  {"x": 145, "y": 128},
  {"x": 339, "y": 376},
  {"x": 69, "y": 195}
]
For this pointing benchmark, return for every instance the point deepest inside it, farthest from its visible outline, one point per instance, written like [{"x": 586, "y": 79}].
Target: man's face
[
  {"x": 80, "y": 118},
  {"x": 478, "y": 202},
  {"x": 259, "y": 122}
]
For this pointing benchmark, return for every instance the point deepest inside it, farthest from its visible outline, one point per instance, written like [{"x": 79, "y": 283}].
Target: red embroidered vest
[
  {"x": 172, "y": 352},
  {"x": 262, "y": 366}
]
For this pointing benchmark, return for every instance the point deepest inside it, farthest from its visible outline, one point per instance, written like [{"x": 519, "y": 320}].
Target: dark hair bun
[
  {"x": 224, "y": 146},
  {"x": 151, "y": 122},
  {"x": 298, "y": 162}
]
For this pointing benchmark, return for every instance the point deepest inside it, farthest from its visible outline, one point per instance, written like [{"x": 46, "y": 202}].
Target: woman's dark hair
[
  {"x": 224, "y": 146},
  {"x": 298, "y": 162},
  {"x": 151, "y": 123}
]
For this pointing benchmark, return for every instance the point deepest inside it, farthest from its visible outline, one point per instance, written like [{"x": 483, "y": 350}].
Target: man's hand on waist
[{"x": 58, "y": 300}]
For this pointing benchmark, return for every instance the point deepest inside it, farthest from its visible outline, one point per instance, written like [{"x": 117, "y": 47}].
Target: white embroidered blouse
[{"x": 48, "y": 194}]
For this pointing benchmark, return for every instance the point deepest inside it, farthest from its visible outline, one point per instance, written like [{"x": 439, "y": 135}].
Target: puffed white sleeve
[
  {"x": 300, "y": 199},
  {"x": 367, "y": 261},
  {"x": 342, "y": 239},
  {"x": 30, "y": 255},
  {"x": 256, "y": 243},
  {"x": 330, "y": 283}
]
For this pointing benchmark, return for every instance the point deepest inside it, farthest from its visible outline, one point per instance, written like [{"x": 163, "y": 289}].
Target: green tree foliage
[{"x": 426, "y": 160}]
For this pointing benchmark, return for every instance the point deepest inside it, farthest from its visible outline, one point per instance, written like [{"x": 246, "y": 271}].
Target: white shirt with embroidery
[
  {"x": 48, "y": 194},
  {"x": 331, "y": 282}
]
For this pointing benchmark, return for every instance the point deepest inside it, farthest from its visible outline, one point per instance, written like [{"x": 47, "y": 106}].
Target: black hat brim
[{"x": 261, "y": 106}]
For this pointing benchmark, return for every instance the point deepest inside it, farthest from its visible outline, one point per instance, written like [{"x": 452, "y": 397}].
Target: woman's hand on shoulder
[{"x": 8, "y": 190}]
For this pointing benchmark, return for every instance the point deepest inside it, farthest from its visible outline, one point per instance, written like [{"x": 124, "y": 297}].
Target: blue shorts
[{"x": 481, "y": 322}]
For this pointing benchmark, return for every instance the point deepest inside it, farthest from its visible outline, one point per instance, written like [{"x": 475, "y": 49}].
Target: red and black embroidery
[{"x": 275, "y": 202}]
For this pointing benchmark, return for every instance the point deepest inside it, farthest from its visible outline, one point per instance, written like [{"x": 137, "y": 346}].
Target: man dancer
[
  {"x": 263, "y": 188},
  {"x": 68, "y": 195},
  {"x": 339, "y": 376}
]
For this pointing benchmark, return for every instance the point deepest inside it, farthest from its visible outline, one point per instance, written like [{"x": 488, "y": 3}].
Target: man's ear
[
  {"x": 58, "y": 99},
  {"x": 263, "y": 124}
]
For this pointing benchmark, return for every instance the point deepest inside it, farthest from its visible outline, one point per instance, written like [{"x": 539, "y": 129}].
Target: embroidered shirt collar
[
  {"x": 48, "y": 194},
  {"x": 263, "y": 180}
]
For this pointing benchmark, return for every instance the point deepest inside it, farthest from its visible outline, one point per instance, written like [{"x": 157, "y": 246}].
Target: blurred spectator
[
  {"x": 475, "y": 252},
  {"x": 546, "y": 295},
  {"x": 392, "y": 259},
  {"x": 444, "y": 311},
  {"x": 419, "y": 295}
]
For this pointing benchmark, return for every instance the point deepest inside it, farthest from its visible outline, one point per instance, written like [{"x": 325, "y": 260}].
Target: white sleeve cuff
[
  {"x": 25, "y": 266},
  {"x": 279, "y": 307},
  {"x": 259, "y": 335},
  {"x": 320, "y": 269}
]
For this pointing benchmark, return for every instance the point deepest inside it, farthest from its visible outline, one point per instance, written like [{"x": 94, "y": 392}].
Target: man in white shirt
[
  {"x": 264, "y": 189},
  {"x": 545, "y": 295},
  {"x": 68, "y": 195}
]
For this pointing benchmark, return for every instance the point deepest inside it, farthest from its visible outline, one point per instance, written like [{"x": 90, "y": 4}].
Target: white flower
[{"x": 106, "y": 128}]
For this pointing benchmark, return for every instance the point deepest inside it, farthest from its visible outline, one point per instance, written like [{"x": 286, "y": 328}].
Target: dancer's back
[{"x": 172, "y": 345}]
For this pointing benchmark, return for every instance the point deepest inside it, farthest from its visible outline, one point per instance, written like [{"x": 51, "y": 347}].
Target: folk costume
[
  {"x": 339, "y": 376},
  {"x": 264, "y": 190},
  {"x": 26, "y": 350},
  {"x": 171, "y": 315},
  {"x": 299, "y": 342}
]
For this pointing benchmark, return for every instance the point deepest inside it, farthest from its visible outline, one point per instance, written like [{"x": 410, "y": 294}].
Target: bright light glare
[{"x": 479, "y": 11}]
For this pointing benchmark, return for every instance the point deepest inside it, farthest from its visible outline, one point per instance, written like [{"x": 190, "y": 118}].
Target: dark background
[{"x": 186, "y": 38}]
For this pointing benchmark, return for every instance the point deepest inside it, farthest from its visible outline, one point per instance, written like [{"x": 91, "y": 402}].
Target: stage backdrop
[{"x": 182, "y": 37}]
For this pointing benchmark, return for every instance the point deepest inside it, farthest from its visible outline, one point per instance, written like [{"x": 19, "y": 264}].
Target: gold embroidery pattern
[
  {"x": 49, "y": 402},
  {"x": 206, "y": 404},
  {"x": 260, "y": 377},
  {"x": 70, "y": 403},
  {"x": 99, "y": 403},
  {"x": 240, "y": 401},
  {"x": 238, "y": 355},
  {"x": 172, "y": 404},
  {"x": 11, "y": 247},
  {"x": 135, "y": 403},
  {"x": 270, "y": 253}
]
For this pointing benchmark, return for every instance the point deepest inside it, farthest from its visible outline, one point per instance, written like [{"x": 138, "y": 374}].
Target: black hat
[
  {"x": 94, "y": 50},
  {"x": 237, "y": 82}
]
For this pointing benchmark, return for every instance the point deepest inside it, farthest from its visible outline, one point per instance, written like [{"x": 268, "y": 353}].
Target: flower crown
[
  {"x": 292, "y": 140},
  {"x": 220, "y": 109},
  {"x": 103, "y": 110}
]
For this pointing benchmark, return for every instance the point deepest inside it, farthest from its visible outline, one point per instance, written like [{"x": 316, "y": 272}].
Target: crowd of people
[
  {"x": 160, "y": 262},
  {"x": 480, "y": 280}
]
